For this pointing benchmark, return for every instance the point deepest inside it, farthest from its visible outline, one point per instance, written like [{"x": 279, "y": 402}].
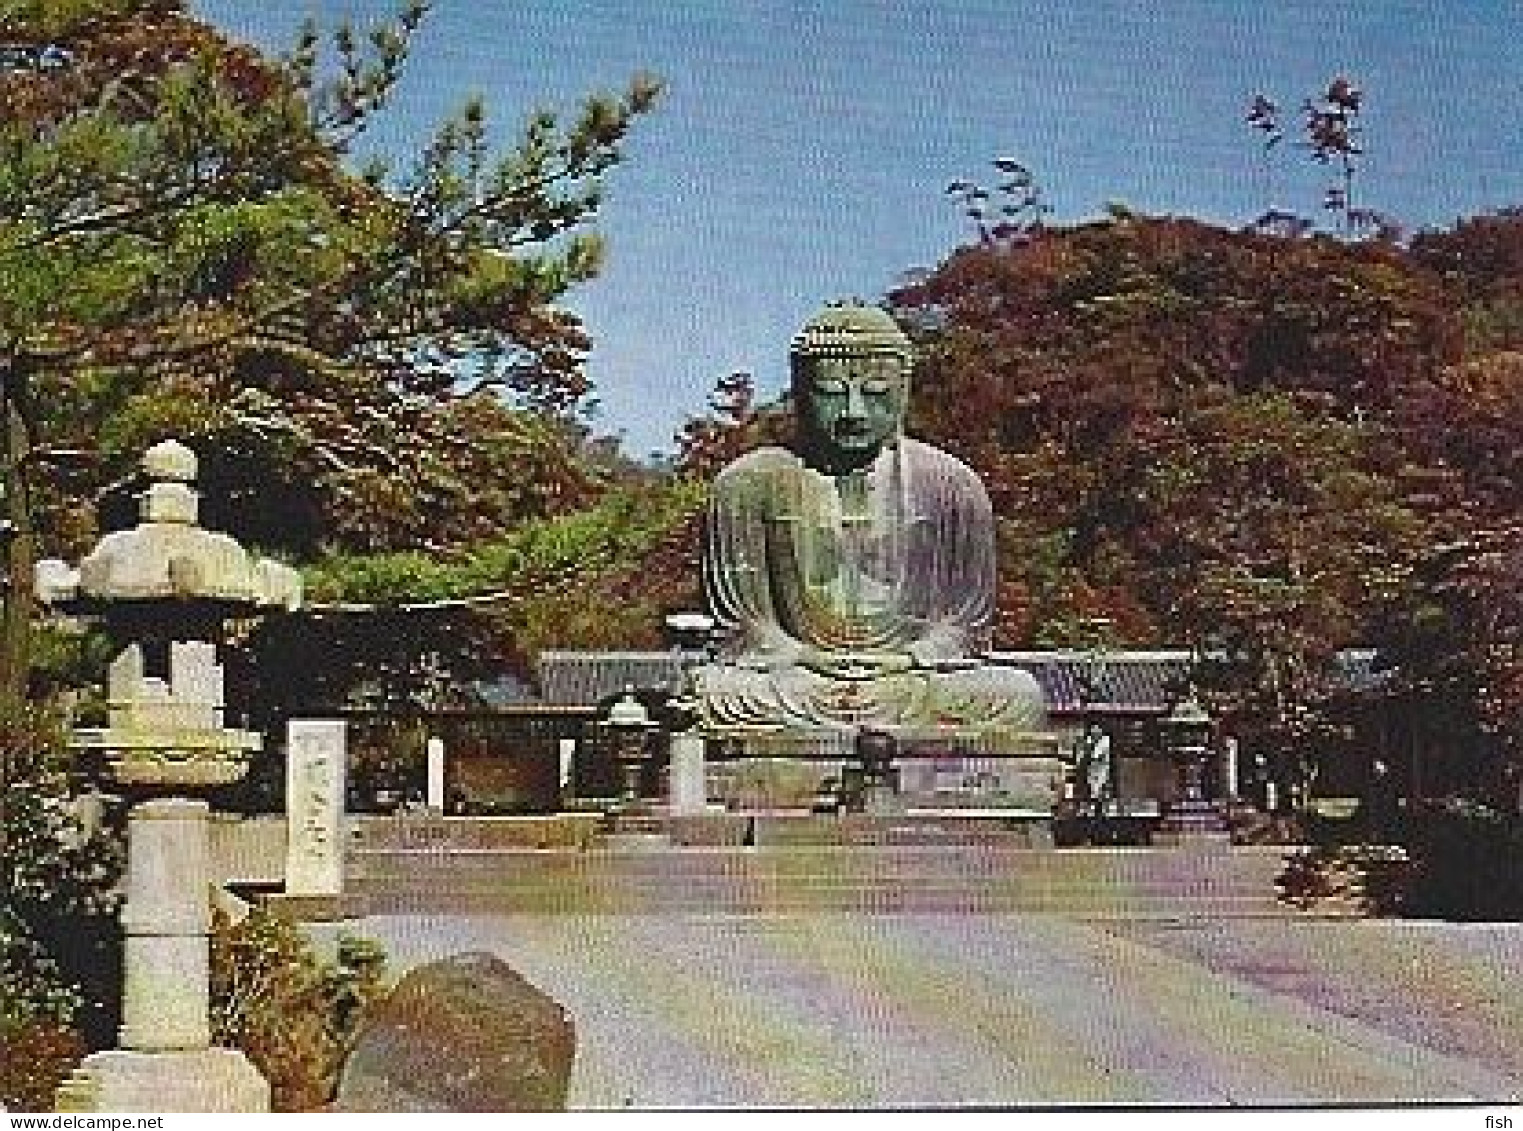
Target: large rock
[{"x": 467, "y": 1033}]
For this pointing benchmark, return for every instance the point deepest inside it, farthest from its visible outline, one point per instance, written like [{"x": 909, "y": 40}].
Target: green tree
[
  {"x": 184, "y": 247},
  {"x": 734, "y": 424},
  {"x": 1481, "y": 258},
  {"x": 1012, "y": 211},
  {"x": 413, "y": 629},
  {"x": 1452, "y": 641}
]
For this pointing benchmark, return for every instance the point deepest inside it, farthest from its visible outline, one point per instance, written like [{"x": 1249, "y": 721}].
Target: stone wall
[{"x": 250, "y": 850}]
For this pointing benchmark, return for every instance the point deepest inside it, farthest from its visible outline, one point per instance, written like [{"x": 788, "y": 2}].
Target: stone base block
[
  {"x": 637, "y": 842},
  {"x": 202, "y": 1080},
  {"x": 1202, "y": 839},
  {"x": 710, "y": 830},
  {"x": 316, "y": 908},
  {"x": 1193, "y": 824},
  {"x": 882, "y": 801},
  {"x": 1032, "y": 783}
]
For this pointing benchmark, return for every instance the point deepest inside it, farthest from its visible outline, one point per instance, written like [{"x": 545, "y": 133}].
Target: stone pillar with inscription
[{"x": 315, "y": 753}]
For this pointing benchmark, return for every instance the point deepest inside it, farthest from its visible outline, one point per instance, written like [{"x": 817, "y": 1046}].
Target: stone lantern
[
  {"x": 164, "y": 589},
  {"x": 630, "y": 723},
  {"x": 629, "y": 824},
  {"x": 1187, "y": 732}
]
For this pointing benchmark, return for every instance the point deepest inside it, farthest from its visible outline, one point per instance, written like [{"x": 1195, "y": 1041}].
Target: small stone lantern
[
  {"x": 1187, "y": 731},
  {"x": 630, "y": 723},
  {"x": 629, "y": 825},
  {"x": 163, "y": 589}
]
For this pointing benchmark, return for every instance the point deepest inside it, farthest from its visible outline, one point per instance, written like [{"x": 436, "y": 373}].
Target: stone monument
[
  {"x": 854, "y": 575},
  {"x": 434, "y": 795},
  {"x": 163, "y": 589},
  {"x": 315, "y": 757}
]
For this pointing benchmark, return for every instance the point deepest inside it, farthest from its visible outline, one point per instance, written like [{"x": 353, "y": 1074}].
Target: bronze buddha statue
[{"x": 854, "y": 572}]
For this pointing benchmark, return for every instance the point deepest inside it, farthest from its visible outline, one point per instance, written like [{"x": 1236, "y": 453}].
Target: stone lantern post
[
  {"x": 164, "y": 589},
  {"x": 695, "y": 636}
]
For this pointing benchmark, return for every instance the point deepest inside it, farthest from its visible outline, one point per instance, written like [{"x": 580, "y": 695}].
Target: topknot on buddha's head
[{"x": 850, "y": 328}]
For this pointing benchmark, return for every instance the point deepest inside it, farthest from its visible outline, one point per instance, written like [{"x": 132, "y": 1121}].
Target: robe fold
[{"x": 890, "y": 568}]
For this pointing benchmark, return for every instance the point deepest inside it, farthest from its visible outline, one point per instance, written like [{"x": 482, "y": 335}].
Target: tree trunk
[{"x": 20, "y": 545}]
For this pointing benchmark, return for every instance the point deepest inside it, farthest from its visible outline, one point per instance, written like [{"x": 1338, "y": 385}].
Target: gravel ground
[
  {"x": 1456, "y": 988},
  {"x": 853, "y": 1010}
]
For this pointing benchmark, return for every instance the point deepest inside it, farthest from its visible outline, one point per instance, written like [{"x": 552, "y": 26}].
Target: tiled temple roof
[
  {"x": 1120, "y": 682},
  {"x": 1114, "y": 682},
  {"x": 1124, "y": 682},
  {"x": 584, "y": 679},
  {"x": 505, "y": 692}
]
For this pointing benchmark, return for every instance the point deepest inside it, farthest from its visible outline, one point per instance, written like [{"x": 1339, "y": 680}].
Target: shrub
[
  {"x": 1450, "y": 859},
  {"x": 1367, "y": 879},
  {"x": 761, "y": 784},
  {"x": 60, "y": 982},
  {"x": 48, "y": 1051},
  {"x": 1466, "y": 862},
  {"x": 37, "y": 1010},
  {"x": 293, "y": 1014}
]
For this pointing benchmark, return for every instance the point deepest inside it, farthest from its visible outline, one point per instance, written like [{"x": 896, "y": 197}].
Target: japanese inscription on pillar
[{"x": 315, "y": 807}]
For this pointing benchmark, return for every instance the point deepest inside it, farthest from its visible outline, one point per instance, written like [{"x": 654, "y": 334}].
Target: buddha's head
[{"x": 851, "y": 384}]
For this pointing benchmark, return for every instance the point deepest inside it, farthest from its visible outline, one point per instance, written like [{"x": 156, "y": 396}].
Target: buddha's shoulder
[
  {"x": 926, "y": 458},
  {"x": 759, "y": 463}
]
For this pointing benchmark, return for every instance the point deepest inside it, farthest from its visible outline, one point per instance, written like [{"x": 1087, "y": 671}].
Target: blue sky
[{"x": 802, "y": 149}]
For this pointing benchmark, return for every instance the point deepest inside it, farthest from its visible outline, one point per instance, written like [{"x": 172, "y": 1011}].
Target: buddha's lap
[{"x": 978, "y": 694}]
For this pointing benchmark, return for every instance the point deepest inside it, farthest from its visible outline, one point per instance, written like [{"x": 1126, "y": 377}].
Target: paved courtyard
[{"x": 836, "y": 1009}]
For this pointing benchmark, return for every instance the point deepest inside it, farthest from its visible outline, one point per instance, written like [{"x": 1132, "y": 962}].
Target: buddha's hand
[
  {"x": 946, "y": 663},
  {"x": 862, "y": 666},
  {"x": 768, "y": 661}
]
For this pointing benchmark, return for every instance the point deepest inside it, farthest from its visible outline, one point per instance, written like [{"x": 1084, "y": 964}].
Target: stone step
[
  {"x": 868, "y": 901},
  {"x": 1111, "y": 866},
  {"x": 426, "y": 879},
  {"x": 1092, "y": 865},
  {"x": 816, "y": 893},
  {"x": 404, "y": 872},
  {"x": 1148, "y": 883},
  {"x": 889, "y": 831},
  {"x": 686, "y": 886},
  {"x": 580, "y": 831}
]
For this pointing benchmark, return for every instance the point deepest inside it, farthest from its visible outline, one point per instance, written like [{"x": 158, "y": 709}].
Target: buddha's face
[{"x": 852, "y": 406}]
